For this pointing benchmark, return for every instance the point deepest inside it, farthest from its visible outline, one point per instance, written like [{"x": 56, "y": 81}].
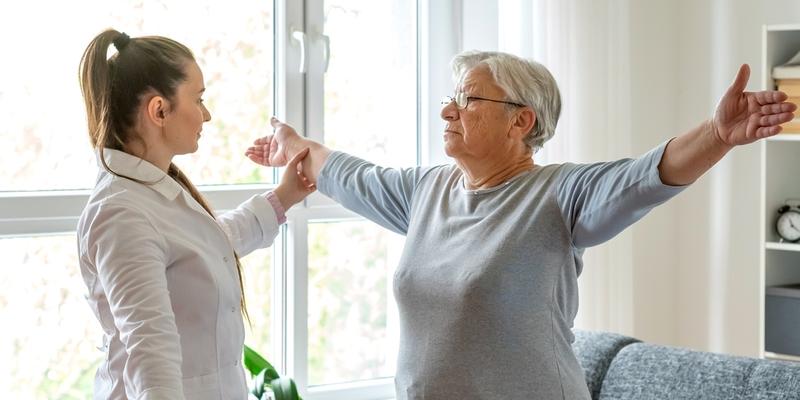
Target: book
[
  {"x": 792, "y": 88},
  {"x": 789, "y": 86},
  {"x": 788, "y": 70},
  {"x": 792, "y": 126}
]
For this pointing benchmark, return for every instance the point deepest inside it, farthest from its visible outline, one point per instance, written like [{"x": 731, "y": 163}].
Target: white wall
[
  {"x": 696, "y": 259},
  {"x": 717, "y": 280},
  {"x": 654, "y": 51},
  {"x": 695, "y": 276},
  {"x": 440, "y": 40}
]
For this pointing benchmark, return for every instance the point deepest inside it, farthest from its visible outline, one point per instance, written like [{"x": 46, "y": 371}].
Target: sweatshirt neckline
[{"x": 462, "y": 185}]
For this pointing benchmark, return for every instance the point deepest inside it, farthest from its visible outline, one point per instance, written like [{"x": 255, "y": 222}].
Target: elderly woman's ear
[{"x": 523, "y": 121}]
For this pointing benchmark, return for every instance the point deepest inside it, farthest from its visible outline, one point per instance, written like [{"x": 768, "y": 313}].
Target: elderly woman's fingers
[
  {"x": 259, "y": 154},
  {"x": 259, "y": 151},
  {"x": 256, "y": 154},
  {"x": 778, "y": 108},
  {"x": 275, "y": 122},
  {"x": 255, "y": 151},
  {"x": 767, "y": 131},
  {"x": 740, "y": 83},
  {"x": 775, "y": 119},
  {"x": 263, "y": 140},
  {"x": 256, "y": 158},
  {"x": 770, "y": 97}
]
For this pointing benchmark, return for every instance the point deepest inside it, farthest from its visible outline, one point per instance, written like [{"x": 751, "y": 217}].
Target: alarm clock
[{"x": 788, "y": 223}]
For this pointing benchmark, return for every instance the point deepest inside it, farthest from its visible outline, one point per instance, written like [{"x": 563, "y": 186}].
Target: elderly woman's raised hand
[
  {"x": 272, "y": 150},
  {"x": 744, "y": 117}
]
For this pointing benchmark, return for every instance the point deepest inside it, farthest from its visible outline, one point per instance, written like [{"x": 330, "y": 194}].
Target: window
[
  {"x": 45, "y": 320},
  {"x": 320, "y": 298},
  {"x": 42, "y": 98},
  {"x": 349, "y": 297},
  {"x": 372, "y": 66}
]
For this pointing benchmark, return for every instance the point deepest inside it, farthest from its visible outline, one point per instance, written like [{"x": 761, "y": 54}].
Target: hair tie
[{"x": 122, "y": 41}]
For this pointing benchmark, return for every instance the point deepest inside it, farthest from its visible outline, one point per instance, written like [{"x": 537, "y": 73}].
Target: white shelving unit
[
  {"x": 786, "y": 137},
  {"x": 780, "y": 180}
]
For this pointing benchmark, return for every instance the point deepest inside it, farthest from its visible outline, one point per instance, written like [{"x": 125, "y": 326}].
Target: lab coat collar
[{"x": 128, "y": 165}]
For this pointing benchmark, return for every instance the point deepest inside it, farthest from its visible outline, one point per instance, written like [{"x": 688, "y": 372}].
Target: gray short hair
[{"x": 524, "y": 81}]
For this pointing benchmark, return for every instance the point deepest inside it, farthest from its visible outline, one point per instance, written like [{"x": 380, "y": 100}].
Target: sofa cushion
[
  {"x": 645, "y": 371},
  {"x": 595, "y": 351},
  {"x": 774, "y": 380}
]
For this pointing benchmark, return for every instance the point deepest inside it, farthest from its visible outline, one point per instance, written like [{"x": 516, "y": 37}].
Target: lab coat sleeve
[{"x": 253, "y": 225}]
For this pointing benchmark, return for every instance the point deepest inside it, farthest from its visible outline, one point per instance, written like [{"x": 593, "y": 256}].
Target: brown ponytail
[{"x": 113, "y": 89}]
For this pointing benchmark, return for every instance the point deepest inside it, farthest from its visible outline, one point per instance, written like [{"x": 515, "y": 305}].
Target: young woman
[{"x": 163, "y": 272}]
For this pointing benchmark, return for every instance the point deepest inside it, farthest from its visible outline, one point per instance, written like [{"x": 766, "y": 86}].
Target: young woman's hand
[{"x": 294, "y": 185}]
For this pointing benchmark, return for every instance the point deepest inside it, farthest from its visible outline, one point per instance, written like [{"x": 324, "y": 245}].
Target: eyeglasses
[{"x": 462, "y": 100}]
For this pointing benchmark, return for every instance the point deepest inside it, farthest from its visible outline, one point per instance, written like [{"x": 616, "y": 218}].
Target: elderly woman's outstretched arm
[
  {"x": 382, "y": 195},
  {"x": 741, "y": 118}
]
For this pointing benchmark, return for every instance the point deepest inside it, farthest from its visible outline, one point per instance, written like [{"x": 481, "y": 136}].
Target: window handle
[
  {"x": 300, "y": 37},
  {"x": 326, "y": 41}
]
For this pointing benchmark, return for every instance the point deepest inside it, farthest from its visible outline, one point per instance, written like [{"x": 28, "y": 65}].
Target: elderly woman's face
[{"x": 479, "y": 131}]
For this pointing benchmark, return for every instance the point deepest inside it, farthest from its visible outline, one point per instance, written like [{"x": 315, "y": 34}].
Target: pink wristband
[{"x": 280, "y": 212}]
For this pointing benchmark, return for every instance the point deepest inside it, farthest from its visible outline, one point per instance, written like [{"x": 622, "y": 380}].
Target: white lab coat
[{"x": 162, "y": 281}]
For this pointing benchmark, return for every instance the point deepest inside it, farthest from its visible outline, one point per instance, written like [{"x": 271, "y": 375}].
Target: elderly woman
[{"x": 488, "y": 275}]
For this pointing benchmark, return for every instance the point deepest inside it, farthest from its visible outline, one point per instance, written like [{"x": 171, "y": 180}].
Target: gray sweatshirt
[{"x": 487, "y": 285}]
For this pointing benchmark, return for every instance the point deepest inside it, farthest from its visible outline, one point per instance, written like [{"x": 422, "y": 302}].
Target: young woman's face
[{"x": 184, "y": 121}]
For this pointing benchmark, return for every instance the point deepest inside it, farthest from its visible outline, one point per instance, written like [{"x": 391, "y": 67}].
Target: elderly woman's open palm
[
  {"x": 744, "y": 117},
  {"x": 271, "y": 150}
]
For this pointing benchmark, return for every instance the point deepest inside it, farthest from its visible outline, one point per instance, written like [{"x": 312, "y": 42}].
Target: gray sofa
[{"x": 620, "y": 367}]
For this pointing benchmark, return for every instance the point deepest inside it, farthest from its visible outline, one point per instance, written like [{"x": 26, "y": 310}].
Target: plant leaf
[
  {"x": 262, "y": 372},
  {"x": 284, "y": 389},
  {"x": 269, "y": 374},
  {"x": 258, "y": 386},
  {"x": 254, "y": 362},
  {"x": 260, "y": 381}
]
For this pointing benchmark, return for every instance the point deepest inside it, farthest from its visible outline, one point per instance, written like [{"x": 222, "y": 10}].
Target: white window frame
[{"x": 294, "y": 279}]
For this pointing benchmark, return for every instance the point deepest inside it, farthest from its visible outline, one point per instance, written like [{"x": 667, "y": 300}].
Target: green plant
[{"x": 266, "y": 379}]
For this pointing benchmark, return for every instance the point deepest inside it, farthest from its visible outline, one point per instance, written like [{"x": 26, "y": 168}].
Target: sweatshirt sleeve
[
  {"x": 600, "y": 200},
  {"x": 382, "y": 195}
]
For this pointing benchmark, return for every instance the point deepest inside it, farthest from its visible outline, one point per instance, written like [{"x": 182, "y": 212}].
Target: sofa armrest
[{"x": 595, "y": 351}]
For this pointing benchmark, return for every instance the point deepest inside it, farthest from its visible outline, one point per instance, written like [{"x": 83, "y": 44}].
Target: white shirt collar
[{"x": 131, "y": 166}]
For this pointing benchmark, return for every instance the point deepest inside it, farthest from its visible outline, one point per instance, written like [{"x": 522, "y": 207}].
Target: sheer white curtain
[{"x": 585, "y": 44}]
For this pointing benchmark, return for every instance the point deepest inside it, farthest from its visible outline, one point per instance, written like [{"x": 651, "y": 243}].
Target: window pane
[
  {"x": 370, "y": 86},
  {"x": 44, "y": 121},
  {"x": 49, "y": 351},
  {"x": 352, "y": 323},
  {"x": 257, "y": 267}
]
